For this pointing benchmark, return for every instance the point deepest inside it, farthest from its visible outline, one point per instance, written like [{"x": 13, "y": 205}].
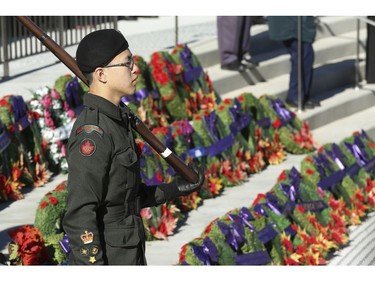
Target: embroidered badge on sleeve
[
  {"x": 87, "y": 237},
  {"x": 87, "y": 147},
  {"x": 88, "y": 129}
]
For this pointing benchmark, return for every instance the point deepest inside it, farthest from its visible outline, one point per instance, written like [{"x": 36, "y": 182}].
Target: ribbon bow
[
  {"x": 64, "y": 243},
  {"x": 71, "y": 93},
  {"x": 207, "y": 253},
  {"x": 234, "y": 234},
  {"x": 285, "y": 115}
]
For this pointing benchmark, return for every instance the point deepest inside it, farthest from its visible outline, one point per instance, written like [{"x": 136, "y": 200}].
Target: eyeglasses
[{"x": 129, "y": 64}]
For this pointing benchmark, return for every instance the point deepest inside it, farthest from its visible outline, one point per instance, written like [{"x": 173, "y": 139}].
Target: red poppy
[
  {"x": 277, "y": 123},
  {"x": 53, "y": 200},
  {"x": 301, "y": 209},
  {"x": 43, "y": 204},
  {"x": 309, "y": 172}
]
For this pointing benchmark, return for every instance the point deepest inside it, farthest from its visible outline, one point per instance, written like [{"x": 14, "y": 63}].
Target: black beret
[{"x": 99, "y": 48}]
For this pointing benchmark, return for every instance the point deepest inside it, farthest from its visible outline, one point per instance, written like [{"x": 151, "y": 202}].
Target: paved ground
[{"x": 146, "y": 36}]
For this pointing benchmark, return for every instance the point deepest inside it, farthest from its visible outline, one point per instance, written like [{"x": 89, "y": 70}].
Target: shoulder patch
[
  {"x": 88, "y": 129},
  {"x": 87, "y": 147}
]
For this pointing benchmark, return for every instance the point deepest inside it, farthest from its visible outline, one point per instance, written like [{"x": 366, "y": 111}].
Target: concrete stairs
[{"x": 334, "y": 81}]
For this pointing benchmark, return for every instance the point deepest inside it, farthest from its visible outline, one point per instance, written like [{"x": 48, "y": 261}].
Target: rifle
[{"x": 136, "y": 123}]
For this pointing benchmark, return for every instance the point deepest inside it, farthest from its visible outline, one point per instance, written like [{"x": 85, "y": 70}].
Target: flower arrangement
[
  {"x": 294, "y": 133},
  {"x": 164, "y": 73},
  {"x": 27, "y": 246},
  {"x": 229, "y": 240},
  {"x": 160, "y": 221},
  {"x": 146, "y": 100},
  {"x": 300, "y": 221},
  {"x": 262, "y": 137},
  {"x": 196, "y": 83},
  {"x": 56, "y": 112},
  {"x": 23, "y": 150}
]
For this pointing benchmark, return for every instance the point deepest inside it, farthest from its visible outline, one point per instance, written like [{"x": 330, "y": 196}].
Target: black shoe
[
  {"x": 311, "y": 104},
  {"x": 235, "y": 66},
  {"x": 248, "y": 62},
  {"x": 291, "y": 103},
  {"x": 258, "y": 20}
]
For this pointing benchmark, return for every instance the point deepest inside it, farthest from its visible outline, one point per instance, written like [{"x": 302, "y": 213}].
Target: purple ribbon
[
  {"x": 245, "y": 213},
  {"x": 365, "y": 134},
  {"x": 72, "y": 93},
  {"x": 313, "y": 206},
  {"x": 21, "y": 118},
  {"x": 234, "y": 234},
  {"x": 272, "y": 203},
  {"x": 290, "y": 191},
  {"x": 207, "y": 253},
  {"x": 240, "y": 123},
  {"x": 210, "y": 122},
  {"x": 241, "y": 218},
  {"x": 191, "y": 73},
  {"x": 319, "y": 166},
  {"x": 370, "y": 165},
  {"x": 285, "y": 115},
  {"x": 254, "y": 258},
  {"x": 64, "y": 243},
  {"x": 331, "y": 180},
  {"x": 4, "y": 139},
  {"x": 213, "y": 149},
  {"x": 336, "y": 155},
  {"x": 220, "y": 146},
  {"x": 353, "y": 170},
  {"x": 295, "y": 176},
  {"x": 265, "y": 122},
  {"x": 155, "y": 94},
  {"x": 152, "y": 181},
  {"x": 288, "y": 208},
  {"x": 357, "y": 152},
  {"x": 137, "y": 96},
  {"x": 267, "y": 233}
]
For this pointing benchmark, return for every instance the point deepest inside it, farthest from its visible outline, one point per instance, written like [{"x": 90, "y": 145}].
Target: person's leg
[
  {"x": 228, "y": 40},
  {"x": 245, "y": 39},
  {"x": 307, "y": 73},
  {"x": 292, "y": 48}
]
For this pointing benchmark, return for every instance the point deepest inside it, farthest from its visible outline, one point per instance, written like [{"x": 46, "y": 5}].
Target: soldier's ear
[{"x": 100, "y": 75}]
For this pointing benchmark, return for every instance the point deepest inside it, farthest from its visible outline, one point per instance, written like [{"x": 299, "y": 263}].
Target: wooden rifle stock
[{"x": 179, "y": 166}]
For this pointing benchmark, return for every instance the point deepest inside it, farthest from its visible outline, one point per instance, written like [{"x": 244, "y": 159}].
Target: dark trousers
[
  {"x": 307, "y": 68},
  {"x": 233, "y": 38},
  {"x": 370, "y": 52}
]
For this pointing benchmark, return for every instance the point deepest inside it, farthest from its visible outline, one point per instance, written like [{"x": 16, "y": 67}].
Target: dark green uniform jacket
[
  {"x": 283, "y": 28},
  {"x": 105, "y": 194}
]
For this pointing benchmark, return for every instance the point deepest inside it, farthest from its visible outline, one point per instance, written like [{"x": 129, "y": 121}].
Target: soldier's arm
[{"x": 89, "y": 155}]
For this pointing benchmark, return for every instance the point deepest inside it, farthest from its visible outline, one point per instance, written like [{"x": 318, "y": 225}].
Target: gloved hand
[
  {"x": 186, "y": 187},
  {"x": 180, "y": 186}
]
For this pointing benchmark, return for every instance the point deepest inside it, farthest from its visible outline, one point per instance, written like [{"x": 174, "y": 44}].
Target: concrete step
[
  {"x": 328, "y": 53},
  {"x": 343, "y": 105},
  {"x": 328, "y": 78},
  {"x": 263, "y": 48}
]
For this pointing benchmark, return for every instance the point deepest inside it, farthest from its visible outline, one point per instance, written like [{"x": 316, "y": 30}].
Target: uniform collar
[{"x": 103, "y": 105}]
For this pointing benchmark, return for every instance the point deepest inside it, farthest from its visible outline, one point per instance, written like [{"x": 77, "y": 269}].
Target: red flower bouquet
[{"x": 27, "y": 247}]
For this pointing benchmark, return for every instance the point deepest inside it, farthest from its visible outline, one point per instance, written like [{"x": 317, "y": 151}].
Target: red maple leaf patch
[{"x": 87, "y": 147}]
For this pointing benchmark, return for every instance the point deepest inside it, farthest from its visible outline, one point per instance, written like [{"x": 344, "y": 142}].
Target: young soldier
[{"x": 105, "y": 193}]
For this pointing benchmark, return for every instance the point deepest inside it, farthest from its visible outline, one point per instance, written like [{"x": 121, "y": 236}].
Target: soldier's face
[{"x": 123, "y": 73}]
